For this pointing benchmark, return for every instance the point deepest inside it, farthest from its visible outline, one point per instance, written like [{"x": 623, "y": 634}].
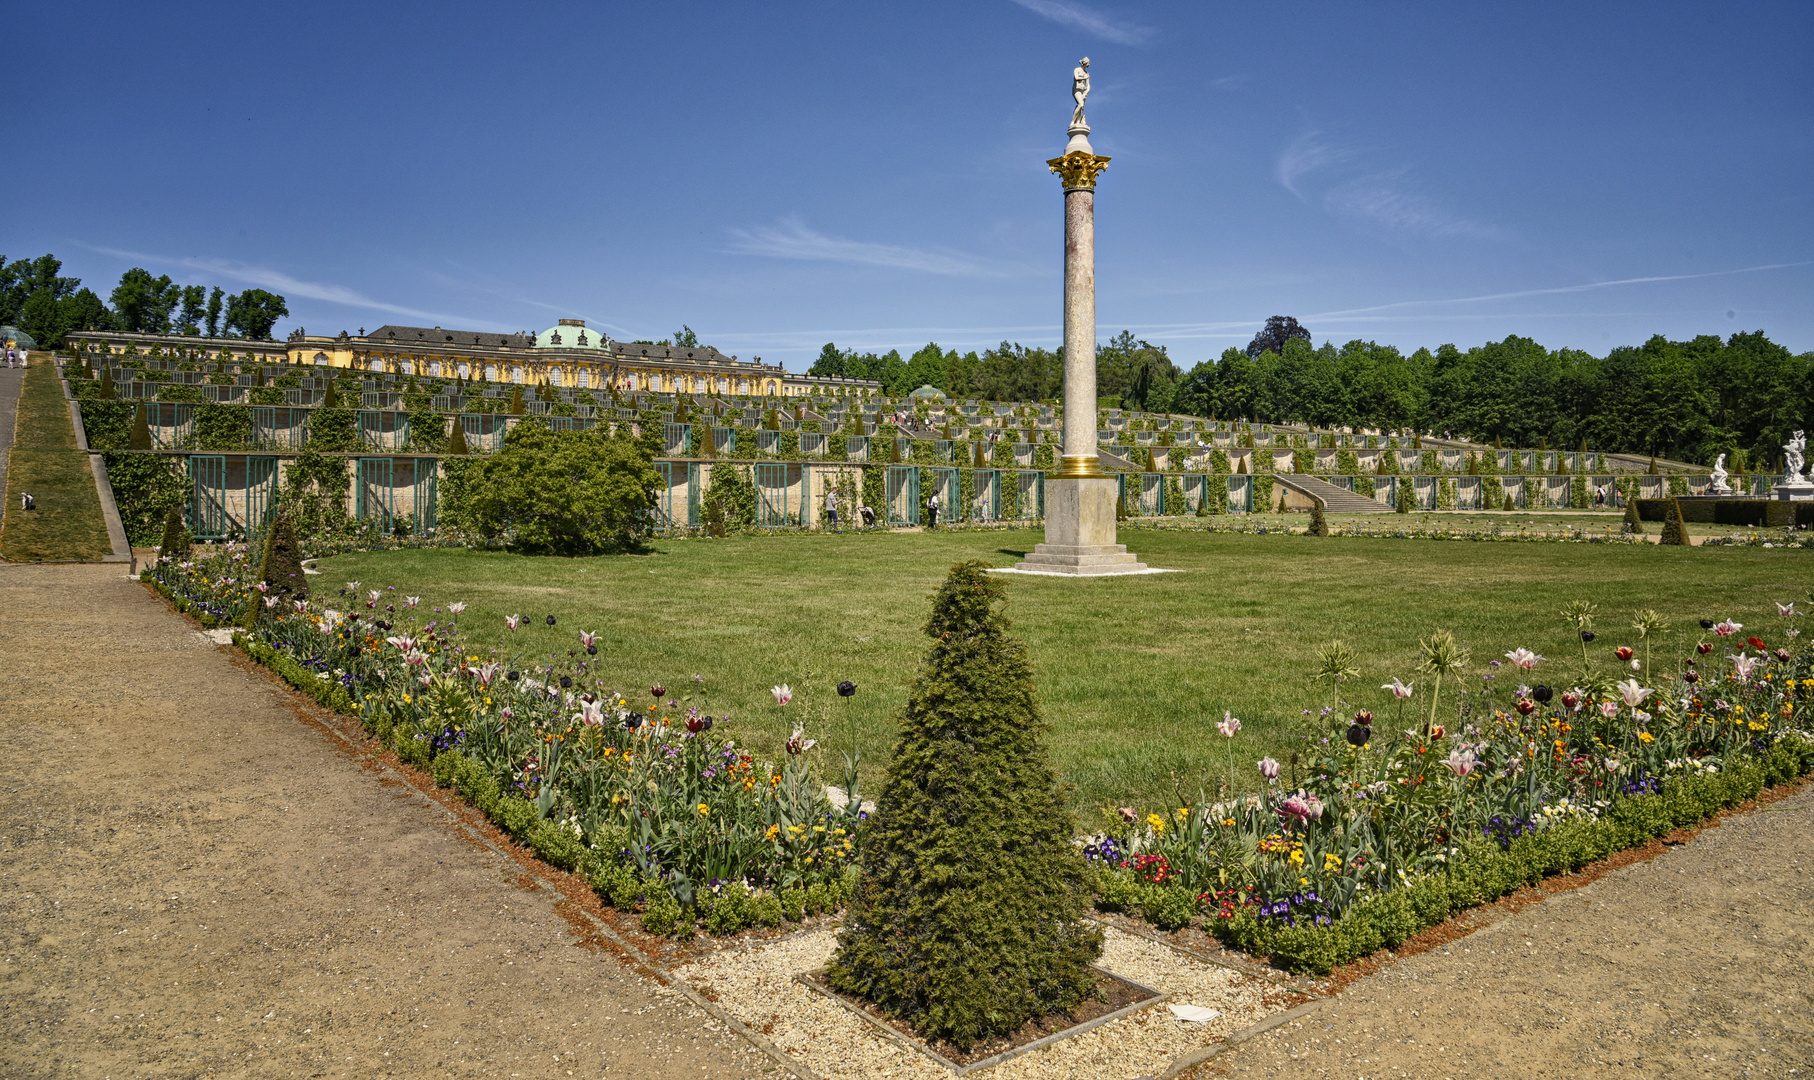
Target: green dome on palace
[{"x": 570, "y": 334}]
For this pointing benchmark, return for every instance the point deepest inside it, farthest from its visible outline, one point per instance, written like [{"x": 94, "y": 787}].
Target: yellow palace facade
[{"x": 567, "y": 354}]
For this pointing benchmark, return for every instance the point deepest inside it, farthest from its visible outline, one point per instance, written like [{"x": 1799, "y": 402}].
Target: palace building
[{"x": 567, "y": 354}]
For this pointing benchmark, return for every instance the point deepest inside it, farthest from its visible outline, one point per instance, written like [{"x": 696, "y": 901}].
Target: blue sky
[{"x": 777, "y": 176}]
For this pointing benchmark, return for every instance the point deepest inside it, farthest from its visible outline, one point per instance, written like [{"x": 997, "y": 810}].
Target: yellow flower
[
  {"x": 1331, "y": 863},
  {"x": 1157, "y": 822},
  {"x": 1183, "y": 812},
  {"x": 406, "y": 699},
  {"x": 773, "y": 831},
  {"x": 1646, "y": 737},
  {"x": 704, "y": 810},
  {"x": 1228, "y": 821},
  {"x": 1297, "y": 856}
]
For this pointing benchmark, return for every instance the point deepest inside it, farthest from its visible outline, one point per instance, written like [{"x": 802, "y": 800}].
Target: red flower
[
  {"x": 1704, "y": 648},
  {"x": 1756, "y": 643},
  {"x": 1622, "y": 652}
]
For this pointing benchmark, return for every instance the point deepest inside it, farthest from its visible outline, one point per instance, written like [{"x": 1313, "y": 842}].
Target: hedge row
[{"x": 1774, "y": 513}]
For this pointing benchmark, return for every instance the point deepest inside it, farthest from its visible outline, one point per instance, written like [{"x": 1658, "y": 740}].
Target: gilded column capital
[{"x": 1078, "y": 169}]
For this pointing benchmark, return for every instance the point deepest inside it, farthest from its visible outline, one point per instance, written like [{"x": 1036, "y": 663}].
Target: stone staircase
[{"x": 1335, "y": 498}]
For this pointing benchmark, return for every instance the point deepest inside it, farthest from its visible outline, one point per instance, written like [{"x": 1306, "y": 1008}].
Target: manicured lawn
[
  {"x": 1133, "y": 672},
  {"x": 67, "y": 523}
]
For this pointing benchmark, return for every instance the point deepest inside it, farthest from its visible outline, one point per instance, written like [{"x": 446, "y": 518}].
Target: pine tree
[
  {"x": 1674, "y": 531},
  {"x": 331, "y": 399},
  {"x": 1634, "y": 525},
  {"x": 1319, "y": 525},
  {"x": 1121, "y": 506},
  {"x": 970, "y": 916},
  {"x": 175, "y": 543},
  {"x": 140, "y": 439},
  {"x": 1509, "y": 504},
  {"x": 456, "y": 440},
  {"x": 1652, "y": 471},
  {"x": 282, "y": 567}
]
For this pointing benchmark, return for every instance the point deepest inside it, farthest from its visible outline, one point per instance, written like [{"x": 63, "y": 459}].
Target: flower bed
[
  {"x": 1373, "y": 831},
  {"x": 641, "y": 794}
]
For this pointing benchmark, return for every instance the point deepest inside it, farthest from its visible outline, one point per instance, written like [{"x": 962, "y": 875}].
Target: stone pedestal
[
  {"x": 1080, "y": 530},
  {"x": 1796, "y": 491}
]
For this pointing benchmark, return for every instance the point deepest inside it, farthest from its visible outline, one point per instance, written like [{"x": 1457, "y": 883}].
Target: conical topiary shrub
[
  {"x": 140, "y": 436},
  {"x": 456, "y": 439},
  {"x": 175, "y": 543},
  {"x": 1674, "y": 532},
  {"x": 1404, "y": 496},
  {"x": 1319, "y": 525},
  {"x": 1634, "y": 525},
  {"x": 282, "y": 568},
  {"x": 969, "y": 919}
]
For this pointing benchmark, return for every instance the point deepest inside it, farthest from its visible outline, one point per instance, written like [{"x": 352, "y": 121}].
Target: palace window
[
  {"x": 406, "y": 367},
  {"x": 516, "y": 375},
  {"x": 585, "y": 378},
  {"x": 321, "y": 359},
  {"x": 554, "y": 377},
  {"x": 465, "y": 370},
  {"x": 491, "y": 373}
]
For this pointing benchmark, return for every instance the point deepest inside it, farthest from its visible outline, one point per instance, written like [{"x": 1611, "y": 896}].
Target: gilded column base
[{"x": 1072, "y": 467}]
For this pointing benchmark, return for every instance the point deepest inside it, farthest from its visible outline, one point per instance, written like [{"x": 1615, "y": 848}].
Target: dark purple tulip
[
  {"x": 1587, "y": 635},
  {"x": 550, "y": 620},
  {"x": 1358, "y": 734},
  {"x": 1543, "y": 694},
  {"x": 847, "y": 689}
]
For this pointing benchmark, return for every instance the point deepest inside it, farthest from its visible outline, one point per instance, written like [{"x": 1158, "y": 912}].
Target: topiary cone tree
[
  {"x": 282, "y": 565},
  {"x": 1674, "y": 530},
  {"x": 969, "y": 919}
]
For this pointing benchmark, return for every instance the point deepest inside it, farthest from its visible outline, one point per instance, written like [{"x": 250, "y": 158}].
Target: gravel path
[
  {"x": 194, "y": 882},
  {"x": 1696, "y": 963}
]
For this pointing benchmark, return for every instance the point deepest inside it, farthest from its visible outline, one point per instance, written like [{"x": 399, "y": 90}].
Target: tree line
[
  {"x": 1687, "y": 400},
  {"x": 36, "y": 297}
]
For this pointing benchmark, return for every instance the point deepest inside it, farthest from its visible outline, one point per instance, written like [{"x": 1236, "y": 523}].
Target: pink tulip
[
  {"x": 1744, "y": 665},
  {"x": 403, "y": 642},
  {"x": 456, "y": 607},
  {"x": 1461, "y": 762},
  {"x": 1609, "y": 709},
  {"x": 488, "y": 673},
  {"x": 591, "y": 713},
  {"x": 1269, "y": 768},
  {"x": 1229, "y": 724},
  {"x": 1400, "y": 690},
  {"x": 1523, "y": 658},
  {"x": 1728, "y": 628},
  {"x": 263, "y": 586},
  {"x": 1786, "y": 610},
  {"x": 798, "y": 743},
  {"x": 301, "y": 605},
  {"x": 587, "y": 638},
  {"x": 412, "y": 601},
  {"x": 783, "y": 693},
  {"x": 513, "y": 621}
]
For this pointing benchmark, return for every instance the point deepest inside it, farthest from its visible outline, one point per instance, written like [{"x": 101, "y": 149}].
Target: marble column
[{"x": 1080, "y": 497}]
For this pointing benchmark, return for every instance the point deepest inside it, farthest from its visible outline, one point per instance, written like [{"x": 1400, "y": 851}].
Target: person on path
[{"x": 831, "y": 508}]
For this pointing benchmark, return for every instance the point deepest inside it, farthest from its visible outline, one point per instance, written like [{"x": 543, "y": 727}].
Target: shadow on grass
[{"x": 1011, "y": 551}]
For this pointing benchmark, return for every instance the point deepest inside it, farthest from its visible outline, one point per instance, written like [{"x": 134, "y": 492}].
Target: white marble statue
[
  {"x": 1080, "y": 89},
  {"x": 1793, "y": 451},
  {"x": 1719, "y": 477}
]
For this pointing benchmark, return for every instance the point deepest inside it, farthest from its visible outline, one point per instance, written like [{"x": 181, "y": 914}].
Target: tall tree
[
  {"x": 1278, "y": 330},
  {"x": 143, "y": 303},
  {"x": 254, "y": 312},
  {"x": 214, "y": 309},
  {"x": 684, "y": 338},
  {"x": 189, "y": 321},
  {"x": 832, "y": 363}
]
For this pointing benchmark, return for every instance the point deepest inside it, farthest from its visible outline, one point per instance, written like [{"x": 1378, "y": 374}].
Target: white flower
[
  {"x": 783, "y": 695},
  {"x": 1786, "y": 610},
  {"x": 1523, "y": 658},
  {"x": 1728, "y": 628},
  {"x": 1400, "y": 690},
  {"x": 1633, "y": 694},
  {"x": 513, "y": 621},
  {"x": 456, "y": 607},
  {"x": 1229, "y": 724},
  {"x": 1744, "y": 665}
]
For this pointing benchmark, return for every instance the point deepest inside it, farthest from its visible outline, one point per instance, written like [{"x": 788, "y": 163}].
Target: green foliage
[
  {"x": 175, "y": 541},
  {"x": 146, "y": 488},
  {"x": 140, "y": 439},
  {"x": 456, "y": 439},
  {"x": 252, "y": 313},
  {"x": 222, "y": 427},
  {"x": 730, "y": 499},
  {"x": 968, "y": 919},
  {"x": 428, "y": 432},
  {"x": 1674, "y": 531},
  {"x": 281, "y": 567},
  {"x": 315, "y": 492},
  {"x": 333, "y": 431},
  {"x": 1405, "y": 495},
  {"x": 563, "y": 492},
  {"x": 1319, "y": 525},
  {"x": 107, "y": 424}
]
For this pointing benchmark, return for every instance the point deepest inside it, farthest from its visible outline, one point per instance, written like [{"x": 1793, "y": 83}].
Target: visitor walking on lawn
[
  {"x": 932, "y": 512},
  {"x": 831, "y": 508}
]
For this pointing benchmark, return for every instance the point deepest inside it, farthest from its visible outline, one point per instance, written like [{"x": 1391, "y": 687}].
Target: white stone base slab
[
  {"x": 1801, "y": 492},
  {"x": 1116, "y": 571}
]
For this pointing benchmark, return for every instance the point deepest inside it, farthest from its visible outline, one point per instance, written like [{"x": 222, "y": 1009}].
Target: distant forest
[{"x": 1687, "y": 400}]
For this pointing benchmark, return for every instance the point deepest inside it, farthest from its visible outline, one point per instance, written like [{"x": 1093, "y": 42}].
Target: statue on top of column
[{"x": 1080, "y": 89}]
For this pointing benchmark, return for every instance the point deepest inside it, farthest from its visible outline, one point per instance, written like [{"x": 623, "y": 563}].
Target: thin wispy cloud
[
  {"x": 1078, "y": 17},
  {"x": 794, "y": 239},
  {"x": 289, "y": 286},
  {"x": 1561, "y": 289},
  {"x": 1307, "y": 154},
  {"x": 1389, "y": 198}
]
